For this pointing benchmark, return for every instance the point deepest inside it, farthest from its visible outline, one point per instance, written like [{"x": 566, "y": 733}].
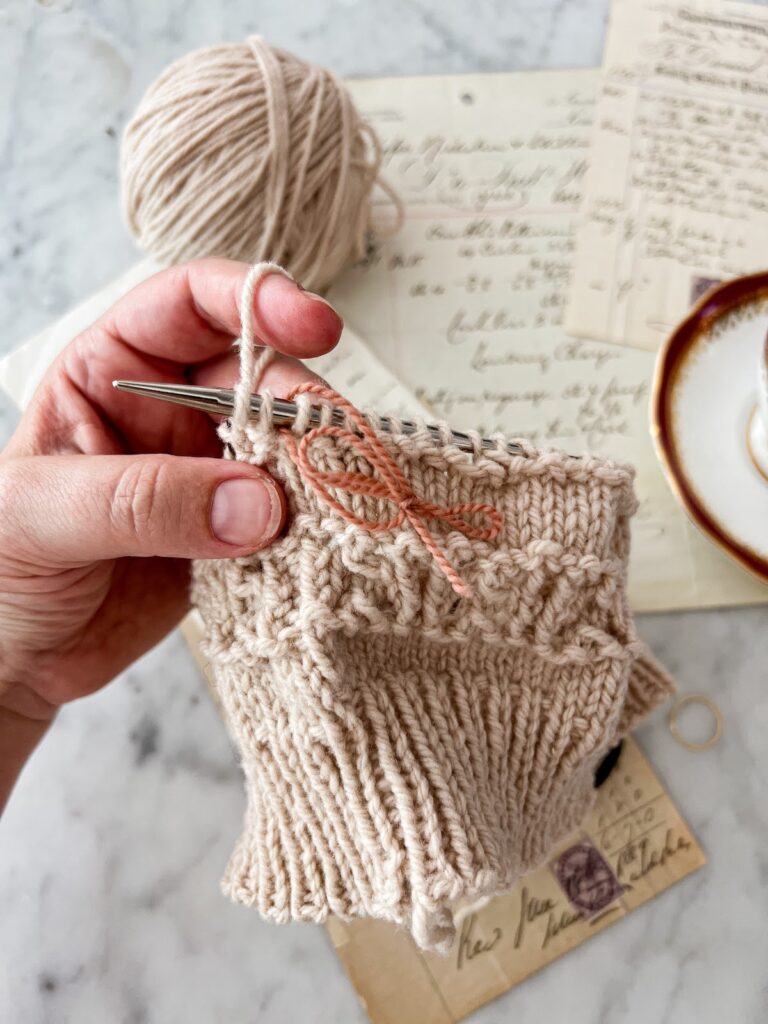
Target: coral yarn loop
[{"x": 389, "y": 484}]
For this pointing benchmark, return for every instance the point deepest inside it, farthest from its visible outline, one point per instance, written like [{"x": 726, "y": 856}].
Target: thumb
[{"x": 82, "y": 508}]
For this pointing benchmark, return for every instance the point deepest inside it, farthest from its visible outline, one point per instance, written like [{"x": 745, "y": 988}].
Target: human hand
[{"x": 104, "y": 497}]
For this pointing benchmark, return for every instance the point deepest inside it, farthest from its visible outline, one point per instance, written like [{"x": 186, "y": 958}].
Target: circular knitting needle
[{"x": 220, "y": 402}]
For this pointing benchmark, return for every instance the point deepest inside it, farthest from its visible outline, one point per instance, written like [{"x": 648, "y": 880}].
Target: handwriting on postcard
[
  {"x": 633, "y": 838},
  {"x": 632, "y": 846},
  {"x": 533, "y": 918}
]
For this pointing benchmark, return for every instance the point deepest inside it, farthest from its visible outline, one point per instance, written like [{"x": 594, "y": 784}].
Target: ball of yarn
[{"x": 245, "y": 151}]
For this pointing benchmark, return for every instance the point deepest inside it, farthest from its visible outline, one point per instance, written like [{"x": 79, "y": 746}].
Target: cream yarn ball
[{"x": 245, "y": 151}]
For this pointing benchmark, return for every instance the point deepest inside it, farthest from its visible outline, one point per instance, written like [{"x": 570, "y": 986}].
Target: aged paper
[
  {"x": 465, "y": 303},
  {"x": 676, "y": 197},
  {"x": 633, "y": 846}
]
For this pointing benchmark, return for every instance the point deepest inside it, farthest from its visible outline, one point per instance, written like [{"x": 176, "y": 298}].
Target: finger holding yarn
[{"x": 245, "y": 151}]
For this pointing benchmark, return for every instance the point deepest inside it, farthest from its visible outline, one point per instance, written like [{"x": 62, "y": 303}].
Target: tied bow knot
[{"x": 390, "y": 484}]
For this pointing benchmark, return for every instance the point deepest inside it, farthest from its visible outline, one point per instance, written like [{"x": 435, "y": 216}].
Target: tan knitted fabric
[{"x": 403, "y": 746}]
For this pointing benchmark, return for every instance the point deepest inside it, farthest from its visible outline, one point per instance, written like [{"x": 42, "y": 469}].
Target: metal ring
[{"x": 709, "y": 704}]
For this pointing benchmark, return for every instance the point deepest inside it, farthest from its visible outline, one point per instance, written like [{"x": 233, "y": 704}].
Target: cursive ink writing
[
  {"x": 482, "y": 359},
  {"x": 531, "y": 909},
  {"x": 557, "y": 923},
  {"x": 639, "y": 859},
  {"x": 470, "y": 946},
  {"x": 462, "y": 325}
]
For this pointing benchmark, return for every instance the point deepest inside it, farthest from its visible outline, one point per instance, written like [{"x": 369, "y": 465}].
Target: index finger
[
  {"x": 167, "y": 329},
  {"x": 190, "y": 313}
]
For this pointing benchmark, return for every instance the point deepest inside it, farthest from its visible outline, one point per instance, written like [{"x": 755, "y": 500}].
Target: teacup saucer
[{"x": 708, "y": 433}]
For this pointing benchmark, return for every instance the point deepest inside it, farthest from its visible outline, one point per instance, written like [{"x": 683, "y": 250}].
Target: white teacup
[{"x": 757, "y": 432}]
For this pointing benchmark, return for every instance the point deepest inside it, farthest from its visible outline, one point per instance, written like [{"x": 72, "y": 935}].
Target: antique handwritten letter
[
  {"x": 632, "y": 847},
  {"x": 676, "y": 197},
  {"x": 465, "y": 303}
]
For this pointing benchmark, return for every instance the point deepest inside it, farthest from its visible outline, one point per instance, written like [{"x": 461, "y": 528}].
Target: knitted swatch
[{"x": 404, "y": 746}]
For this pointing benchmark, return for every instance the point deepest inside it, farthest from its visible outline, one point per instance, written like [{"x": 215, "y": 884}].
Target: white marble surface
[{"x": 112, "y": 847}]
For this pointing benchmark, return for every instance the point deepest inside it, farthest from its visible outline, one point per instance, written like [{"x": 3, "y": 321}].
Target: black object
[{"x": 606, "y": 766}]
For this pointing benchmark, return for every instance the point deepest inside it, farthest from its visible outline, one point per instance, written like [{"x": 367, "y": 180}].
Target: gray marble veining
[{"x": 112, "y": 847}]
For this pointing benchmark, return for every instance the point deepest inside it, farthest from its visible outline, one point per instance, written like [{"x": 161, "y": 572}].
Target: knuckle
[
  {"x": 12, "y": 494},
  {"x": 140, "y": 502}
]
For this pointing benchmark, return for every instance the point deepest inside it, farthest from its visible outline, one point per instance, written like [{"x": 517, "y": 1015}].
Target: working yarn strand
[{"x": 254, "y": 359}]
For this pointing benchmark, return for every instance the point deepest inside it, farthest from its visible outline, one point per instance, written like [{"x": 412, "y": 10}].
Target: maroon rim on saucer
[{"x": 713, "y": 305}]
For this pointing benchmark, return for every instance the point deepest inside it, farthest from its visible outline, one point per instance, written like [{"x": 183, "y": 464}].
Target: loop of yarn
[
  {"x": 253, "y": 359},
  {"x": 391, "y": 485},
  {"x": 245, "y": 151}
]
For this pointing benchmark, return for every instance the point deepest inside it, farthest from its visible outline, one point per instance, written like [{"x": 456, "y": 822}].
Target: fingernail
[
  {"x": 319, "y": 298},
  {"x": 246, "y": 511}
]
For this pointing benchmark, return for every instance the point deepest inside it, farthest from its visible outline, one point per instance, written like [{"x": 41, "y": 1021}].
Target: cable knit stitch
[{"x": 403, "y": 746}]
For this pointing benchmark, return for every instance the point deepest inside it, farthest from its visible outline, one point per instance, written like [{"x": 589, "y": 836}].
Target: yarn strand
[{"x": 252, "y": 365}]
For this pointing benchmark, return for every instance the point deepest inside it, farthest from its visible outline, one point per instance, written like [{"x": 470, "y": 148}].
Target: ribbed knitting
[{"x": 403, "y": 746}]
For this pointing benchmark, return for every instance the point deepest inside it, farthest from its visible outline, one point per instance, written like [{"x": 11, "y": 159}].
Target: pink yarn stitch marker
[{"x": 391, "y": 485}]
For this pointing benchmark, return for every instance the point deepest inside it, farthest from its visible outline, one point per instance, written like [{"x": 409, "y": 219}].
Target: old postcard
[
  {"x": 465, "y": 303},
  {"x": 676, "y": 197},
  {"x": 633, "y": 846}
]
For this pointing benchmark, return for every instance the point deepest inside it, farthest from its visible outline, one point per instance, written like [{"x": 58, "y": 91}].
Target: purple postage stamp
[
  {"x": 701, "y": 285},
  {"x": 586, "y": 878}
]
